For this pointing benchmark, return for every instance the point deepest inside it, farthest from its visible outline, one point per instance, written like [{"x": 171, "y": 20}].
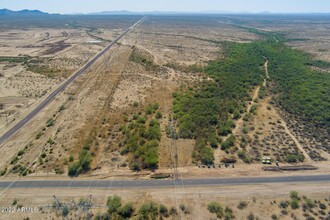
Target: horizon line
[{"x": 166, "y": 12}]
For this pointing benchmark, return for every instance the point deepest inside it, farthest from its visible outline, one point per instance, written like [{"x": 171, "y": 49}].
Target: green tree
[
  {"x": 148, "y": 211},
  {"x": 215, "y": 208},
  {"x": 126, "y": 211},
  {"x": 113, "y": 203}
]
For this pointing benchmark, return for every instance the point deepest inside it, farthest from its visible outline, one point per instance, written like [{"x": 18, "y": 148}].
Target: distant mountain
[
  {"x": 123, "y": 12},
  {"x": 265, "y": 12},
  {"x": 22, "y": 12}
]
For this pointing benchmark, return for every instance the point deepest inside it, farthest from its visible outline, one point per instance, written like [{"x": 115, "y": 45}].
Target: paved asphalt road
[
  {"x": 162, "y": 183},
  {"x": 57, "y": 91}
]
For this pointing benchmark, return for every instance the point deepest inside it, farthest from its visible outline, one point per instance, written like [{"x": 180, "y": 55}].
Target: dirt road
[{"x": 299, "y": 146}]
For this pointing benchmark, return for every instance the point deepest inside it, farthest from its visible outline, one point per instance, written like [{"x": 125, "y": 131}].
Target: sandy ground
[
  {"x": 262, "y": 199},
  {"x": 62, "y": 51}
]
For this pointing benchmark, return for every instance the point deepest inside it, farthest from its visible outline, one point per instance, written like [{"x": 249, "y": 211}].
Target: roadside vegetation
[
  {"x": 142, "y": 135},
  {"x": 83, "y": 163},
  {"x": 117, "y": 209}
]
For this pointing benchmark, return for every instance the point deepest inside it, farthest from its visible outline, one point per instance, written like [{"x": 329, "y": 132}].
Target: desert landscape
[{"x": 134, "y": 114}]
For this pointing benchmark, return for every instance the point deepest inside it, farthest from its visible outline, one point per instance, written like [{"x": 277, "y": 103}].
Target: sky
[{"x": 87, "y": 6}]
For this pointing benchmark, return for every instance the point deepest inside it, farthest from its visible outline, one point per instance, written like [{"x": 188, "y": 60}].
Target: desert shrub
[
  {"x": 20, "y": 153},
  {"x": 184, "y": 209},
  {"x": 294, "y": 203},
  {"x": 151, "y": 108},
  {"x": 51, "y": 141},
  {"x": 65, "y": 210},
  {"x": 59, "y": 170},
  {"x": 141, "y": 120},
  {"x": 173, "y": 211},
  {"x": 230, "y": 142},
  {"x": 294, "y": 158},
  {"x": 308, "y": 203},
  {"x": 228, "y": 214},
  {"x": 253, "y": 108},
  {"x": 322, "y": 206},
  {"x": 322, "y": 212},
  {"x": 247, "y": 117},
  {"x": 61, "y": 108},
  {"x": 148, "y": 211},
  {"x": 284, "y": 212},
  {"x": 250, "y": 216},
  {"x": 242, "y": 205},
  {"x": 113, "y": 203},
  {"x": 236, "y": 114},
  {"x": 50, "y": 122},
  {"x": 126, "y": 210},
  {"x": 215, "y": 208},
  {"x": 212, "y": 139},
  {"x": 274, "y": 217},
  {"x": 163, "y": 211},
  {"x": 38, "y": 135},
  {"x": 3, "y": 172},
  {"x": 82, "y": 165},
  {"x": 241, "y": 154},
  {"x": 283, "y": 204},
  {"x": 73, "y": 169},
  {"x": 159, "y": 115},
  {"x": 294, "y": 195}
]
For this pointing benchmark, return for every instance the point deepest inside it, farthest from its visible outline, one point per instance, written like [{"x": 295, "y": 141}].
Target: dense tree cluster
[
  {"x": 301, "y": 91},
  {"x": 207, "y": 112}
]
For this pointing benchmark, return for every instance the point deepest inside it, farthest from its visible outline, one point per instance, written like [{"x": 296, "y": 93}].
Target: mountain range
[
  {"x": 22, "y": 12},
  {"x": 27, "y": 12}
]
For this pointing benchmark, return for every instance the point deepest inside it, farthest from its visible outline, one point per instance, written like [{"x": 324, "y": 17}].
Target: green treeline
[
  {"x": 302, "y": 91},
  {"x": 206, "y": 113}
]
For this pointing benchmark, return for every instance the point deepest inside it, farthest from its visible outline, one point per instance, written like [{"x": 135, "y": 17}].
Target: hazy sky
[{"x": 73, "y": 6}]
